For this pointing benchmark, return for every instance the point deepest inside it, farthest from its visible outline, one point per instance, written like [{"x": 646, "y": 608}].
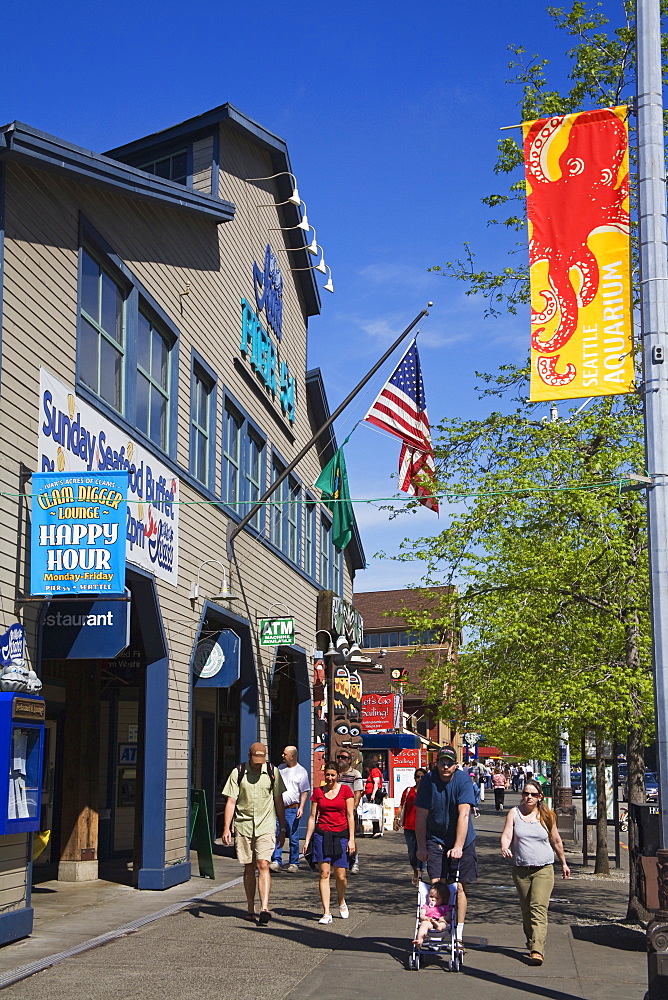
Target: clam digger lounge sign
[{"x": 78, "y": 533}]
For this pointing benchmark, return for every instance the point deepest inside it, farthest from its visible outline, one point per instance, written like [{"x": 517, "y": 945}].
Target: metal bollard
[{"x": 657, "y": 937}]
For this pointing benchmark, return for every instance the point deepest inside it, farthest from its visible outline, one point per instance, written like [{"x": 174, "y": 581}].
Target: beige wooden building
[{"x": 152, "y": 323}]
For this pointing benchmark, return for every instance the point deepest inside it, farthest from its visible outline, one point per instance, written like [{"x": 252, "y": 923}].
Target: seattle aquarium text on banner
[{"x": 78, "y": 533}]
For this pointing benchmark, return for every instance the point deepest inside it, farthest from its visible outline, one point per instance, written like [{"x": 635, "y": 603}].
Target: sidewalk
[{"x": 208, "y": 946}]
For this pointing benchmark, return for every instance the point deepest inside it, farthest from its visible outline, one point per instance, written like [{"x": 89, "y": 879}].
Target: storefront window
[
  {"x": 102, "y": 333},
  {"x": 310, "y": 538},
  {"x": 231, "y": 456},
  {"x": 201, "y": 425},
  {"x": 153, "y": 368},
  {"x": 254, "y": 460},
  {"x": 293, "y": 510}
]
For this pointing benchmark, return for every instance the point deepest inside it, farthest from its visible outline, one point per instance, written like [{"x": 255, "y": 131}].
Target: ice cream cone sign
[
  {"x": 60, "y": 459},
  {"x": 70, "y": 405}
]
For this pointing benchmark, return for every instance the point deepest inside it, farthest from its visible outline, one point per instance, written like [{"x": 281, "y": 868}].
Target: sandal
[{"x": 535, "y": 958}]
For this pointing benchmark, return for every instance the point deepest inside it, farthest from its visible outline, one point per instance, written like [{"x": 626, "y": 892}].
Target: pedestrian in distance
[
  {"x": 351, "y": 777},
  {"x": 406, "y": 818},
  {"x": 254, "y": 801},
  {"x": 435, "y": 914},
  {"x": 499, "y": 786},
  {"x": 473, "y": 775},
  {"x": 373, "y": 791},
  {"x": 330, "y": 837},
  {"x": 530, "y": 839},
  {"x": 297, "y": 786},
  {"x": 444, "y": 828}
]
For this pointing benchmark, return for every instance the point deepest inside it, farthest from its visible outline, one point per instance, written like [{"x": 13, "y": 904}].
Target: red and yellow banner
[{"x": 577, "y": 173}]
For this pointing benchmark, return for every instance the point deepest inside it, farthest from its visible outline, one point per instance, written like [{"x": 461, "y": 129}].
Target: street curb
[{"x": 24, "y": 971}]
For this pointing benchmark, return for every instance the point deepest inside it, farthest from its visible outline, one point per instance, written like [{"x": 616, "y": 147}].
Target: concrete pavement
[{"x": 208, "y": 947}]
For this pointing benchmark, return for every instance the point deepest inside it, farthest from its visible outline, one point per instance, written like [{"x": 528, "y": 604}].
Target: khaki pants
[{"x": 534, "y": 887}]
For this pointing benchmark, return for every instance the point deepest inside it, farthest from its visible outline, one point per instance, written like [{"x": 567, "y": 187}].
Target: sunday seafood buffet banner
[
  {"x": 74, "y": 437},
  {"x": 577, "y": 174}
]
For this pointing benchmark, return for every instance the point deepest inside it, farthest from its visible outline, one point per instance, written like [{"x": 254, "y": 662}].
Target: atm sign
[{"x": 277, "y": 631}]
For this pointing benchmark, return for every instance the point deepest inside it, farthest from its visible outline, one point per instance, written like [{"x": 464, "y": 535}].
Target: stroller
[{"x": 440, "y": 944}]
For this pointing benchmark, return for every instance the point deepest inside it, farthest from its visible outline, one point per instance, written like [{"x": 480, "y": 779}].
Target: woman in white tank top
[{"x": 530, "y": 838}]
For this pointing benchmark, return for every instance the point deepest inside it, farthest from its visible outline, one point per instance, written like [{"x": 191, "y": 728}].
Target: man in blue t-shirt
[{"x": 444, "y": 828}]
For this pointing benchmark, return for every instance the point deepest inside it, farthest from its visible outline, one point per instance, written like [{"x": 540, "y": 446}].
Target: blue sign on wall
[
  {"x": 78, "y": 533},
  {"x": 12, "y": 645},
  {"x": 217, "y": 661},
  {"x": 86, "y": 630}
]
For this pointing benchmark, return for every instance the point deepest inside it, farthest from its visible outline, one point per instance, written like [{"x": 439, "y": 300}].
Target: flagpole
[{"x": 234, "y": 529}]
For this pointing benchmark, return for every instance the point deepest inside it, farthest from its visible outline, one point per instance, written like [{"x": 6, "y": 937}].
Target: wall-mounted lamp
[
  {"x": 329, "y": 285},
  {"x": 294, "y": 198},
  {"x": 224, "y": 593},
  {"x": 312, "y": 247},
  {"x": 320, "y": 266},
  {"x": 332, "y": 650},
  {"x": 304, "y": 224}
]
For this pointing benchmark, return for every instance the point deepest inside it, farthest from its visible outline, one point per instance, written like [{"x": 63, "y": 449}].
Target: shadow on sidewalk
[
  {"x": 611, "y": 936},
  {"x": 532, "y": 989}
]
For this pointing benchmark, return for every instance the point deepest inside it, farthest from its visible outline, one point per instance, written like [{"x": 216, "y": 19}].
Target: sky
[{"x": 391, "y": 113}]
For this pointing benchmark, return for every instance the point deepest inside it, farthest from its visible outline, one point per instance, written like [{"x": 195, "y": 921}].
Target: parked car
[{"x": 651, "y": 788}]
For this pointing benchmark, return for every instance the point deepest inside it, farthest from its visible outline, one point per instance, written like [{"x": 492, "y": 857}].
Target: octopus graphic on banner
[
  {"x": 579, "y": 254},
  {"x": 268, "y": 286}
]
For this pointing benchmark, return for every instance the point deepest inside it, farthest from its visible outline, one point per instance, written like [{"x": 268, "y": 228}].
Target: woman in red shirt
[
  {"x": 331, "y": 829},
  {"x": 406, "y": 819}
]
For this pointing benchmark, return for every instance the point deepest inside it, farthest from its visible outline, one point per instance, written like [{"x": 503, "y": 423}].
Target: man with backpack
[{"x": 254, "y": 800}]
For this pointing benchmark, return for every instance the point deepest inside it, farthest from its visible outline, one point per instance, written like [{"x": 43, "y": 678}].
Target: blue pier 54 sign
[{"x": 78, "y": 533}]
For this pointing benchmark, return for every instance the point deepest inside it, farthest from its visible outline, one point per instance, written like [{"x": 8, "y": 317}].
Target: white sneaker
[
  {"x": 274, "y": 866},
  {"x": 292, "y": 868},
  {"x": 325, "y": 919},
  {"x": 344, "y": 911},
  {"x": 356, "y": 867}
]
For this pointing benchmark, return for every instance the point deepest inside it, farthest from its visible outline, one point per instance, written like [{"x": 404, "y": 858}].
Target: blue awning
[{"x": 390, "y": 741}]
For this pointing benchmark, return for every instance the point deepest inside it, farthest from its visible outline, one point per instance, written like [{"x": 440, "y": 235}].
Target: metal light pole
[{"x": 654, "y": 326}]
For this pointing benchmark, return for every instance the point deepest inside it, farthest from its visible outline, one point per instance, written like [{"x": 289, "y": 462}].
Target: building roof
[
  {"x": 24, "y": 144},
  {"x": 277, "y": 149},
  {"x": 372, "y": 605}
]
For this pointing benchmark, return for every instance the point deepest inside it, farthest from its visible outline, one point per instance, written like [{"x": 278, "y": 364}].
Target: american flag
[{"x": 401, "y": 410}]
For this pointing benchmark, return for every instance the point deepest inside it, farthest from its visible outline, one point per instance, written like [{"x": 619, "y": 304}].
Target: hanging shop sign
[
  {"x": 274, "y": 374},
  {"x": 381, "y": 712},
  {"x": 77, "y": 533},
  {"x": 339, "y": 617},
  {"x": 268, "y": 286},
  {"x": 86, "y": 630},
  {"x": 74, "y": 437},
  {"x": 217, "y": 660},
  {"x": 277, "y": 631},
  {"x": 13, "y": 645},
  {"x": 577, "y": 175}
]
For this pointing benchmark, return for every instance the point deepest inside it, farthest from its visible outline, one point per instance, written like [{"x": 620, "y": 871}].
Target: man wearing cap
[
  {"x": 444, "y": 828},
  {"x": 351, "y": 777},
  {"x": 254, "y": 799}
]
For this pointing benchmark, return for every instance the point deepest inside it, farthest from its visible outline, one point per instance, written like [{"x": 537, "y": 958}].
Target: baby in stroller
[{"x": 436, "y": 914}]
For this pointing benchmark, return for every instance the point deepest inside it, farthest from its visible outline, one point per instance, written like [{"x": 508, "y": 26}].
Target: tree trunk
[
  {"x": 556, "y": 778},
  {"x": 602, "y": 866},
  {"x": 635, "y": 911}
]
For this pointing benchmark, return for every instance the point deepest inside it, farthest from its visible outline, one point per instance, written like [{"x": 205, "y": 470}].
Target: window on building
[
  {"x": 325, "y": 553},
  {"x": 337, "y": 571},
  {"x": 293, "y": 513},
  {"x": 277, "y": 506},
  {"x": 233, "y": 423},
  {"x": 102, "y": 339},
  {"x": 310, "y": 539},
  {"x": 173, "y": 167},
  {"x": 254, "y": 473},
  {"x": 202, "y": 424},
  {"x": 153, "y": 380}
]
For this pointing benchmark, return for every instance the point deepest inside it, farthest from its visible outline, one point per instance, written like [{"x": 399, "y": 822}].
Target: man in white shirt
[
  {"x": 351, "y": 777},
  {"x": 297, "y": 786}
]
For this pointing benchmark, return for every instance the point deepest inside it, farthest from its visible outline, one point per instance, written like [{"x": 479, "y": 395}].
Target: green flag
[{"x": 333, "y": 481}]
